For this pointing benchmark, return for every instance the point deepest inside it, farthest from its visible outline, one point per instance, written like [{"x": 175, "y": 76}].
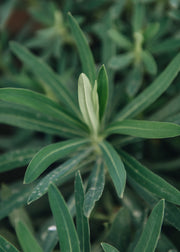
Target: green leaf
[
  {"x": 82, "y": 224},
  {"x": 149, "y": 62},
  {"x": 121, "y": 61},
  {"x": 38, "y": 102},
  {"x": 26, "y": 238},
  {"x": 119, "y": 233},
  {"x": 86, "y": 104},
  {"x": 145, "y": 129},
  {"x": 169, "y": 109},
  {"x": 115, "y": 167},
  {"x": 138, "y": 16},
  {"x": 44, "y": 73},
  {"x": 165, "y": 46},
  {"x": 108, "y": 248},
  {"x": 6, "y": 246},
  {"x": 66, "y": 230},
  {"x": 95, "y": 99},
  {"x": 152, "y": 92},
  {"x": 48, "y": 155},
  {"x": 121, "y": 40},
  {"x": 150, "y": 235},
  {"x": 103, "y": 90},
  {"x": 95, "y": 187},
  {"x": 150, "y": 180},
  {"x": 134, "y": 80},
  {"x": 172, "y": 213},
  {"x": 17, "y": 199},
  {"x": 151, "y": 30},
  {"x": 174, "y": 118},
  {"x": 85, "y": 54},
  {"x": 26, "y": 118},
  {"x": 17, "y": 158},
  {"x": 58, "y": 176}
]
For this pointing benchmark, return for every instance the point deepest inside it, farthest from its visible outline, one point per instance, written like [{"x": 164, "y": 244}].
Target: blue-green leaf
[
  {"x": 85, "y": 54},
  {"x": 48, "y": 155},
  {"x": 68, "y": 237},
  {"x": 119, "y": 233},
  {"x": 121, "y": 61},
  {"x": 108, "y": 248},
  {"x": 82, "y": 224},
  {"x": 150, "y": 235},
  {"x": 95, "y": 187},
  {"x": 39, "y": 103},
  {"x": 103, "y": 90},
  {"x": 115, "y": 167},
  {"x": 59, "y": 175},
  {"x": 44, "y": 73},
  {"x": 152, "y": 92},
  {"x": 6, "y": 246},
  {"x": 121, "y": 40},
  {"x": 17, "y": 199},
  {"x": 150, "y": 180},
  {"x": 138, "y": 16},
  {"x": 134, "y": 80},
  {"x": 146, "y": 129},
  {"x": 26, "y": 238},
  {"x": 167, "y": 45},
  {"x": 89, "y": 111},
  {"x": 16, "y": 115},
  {"x": 17, "y": 158},
  {"x": 172, "y": 213},
  {"x": 171, "y": 108},
  {"x": 149, "y": 62}
]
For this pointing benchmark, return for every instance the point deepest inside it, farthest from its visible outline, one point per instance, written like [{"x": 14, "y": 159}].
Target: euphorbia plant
[{"x": 86, "y": 143}]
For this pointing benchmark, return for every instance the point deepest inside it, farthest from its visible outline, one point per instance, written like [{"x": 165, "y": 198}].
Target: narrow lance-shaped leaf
[
  {"x": 17, "y": 199},
  {"x": 134, "y": 80},
  {"x": 38, "y": 102},
  {"x": 82, "y": 224},
  {"x": 6, "y": 246},
  {"x": 95, "y": 99},
  {"x": 149, "y": 62},
  {"x": 121, "y": 40},
  {"x": 171, "y": 108},
  {"x": 26, "y": 238},
  {"x": 121, "y": 61},
  {"x": 119, "y": 233},
  {"x": 44, "y": 73},
  {"x": 49, "y": 154},
  {"x": 17, "y": 158},
  {"x": 16, "y": 115},
  {"x": 172, "y": 212},
  {"x": 108, "y": 248},
  {"x": 152, "y": 92},
  {"x": 68, "y": 237},
  {"x": 59, "y": 175},
  {"x": 85, "y": 54},
  {"x": 150, "y": 180},
  {"x": 115, "y": 167},
  {"x": 146, "y": 129},
  {"x": 170, "y": 44},
  {"x": 138, "y": 16},
  {"x": 103, "y": 90},
  {"x": 86, "y": 102},
  {"x": 95, "y": 187},
  {"x": 150, "y": 235}
]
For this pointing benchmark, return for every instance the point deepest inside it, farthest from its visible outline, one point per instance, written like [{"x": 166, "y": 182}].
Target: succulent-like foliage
[{"x": 91, "y": 129}]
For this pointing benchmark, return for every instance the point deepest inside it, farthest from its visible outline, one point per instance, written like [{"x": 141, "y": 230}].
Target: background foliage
[{"x": 90, "y": 114}]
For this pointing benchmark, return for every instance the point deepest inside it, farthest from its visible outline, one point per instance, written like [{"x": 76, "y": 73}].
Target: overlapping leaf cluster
[{"x": 86, "y": 132}]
